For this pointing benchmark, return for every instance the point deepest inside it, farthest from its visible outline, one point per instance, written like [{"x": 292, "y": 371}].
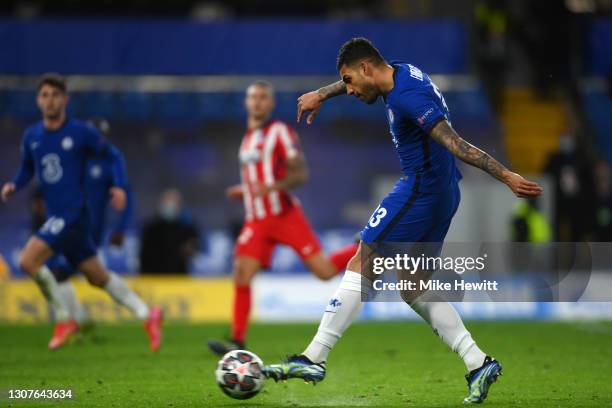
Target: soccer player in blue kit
[
  {"x": 100, "y": 173},
  {"x": 419, "y": 209},
  {"x": 56, "y": 150}
]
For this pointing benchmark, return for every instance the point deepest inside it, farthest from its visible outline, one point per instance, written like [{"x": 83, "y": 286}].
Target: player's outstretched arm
[
  {"x": 444, "y": 134},
  {"x": 312, "y": 101}
]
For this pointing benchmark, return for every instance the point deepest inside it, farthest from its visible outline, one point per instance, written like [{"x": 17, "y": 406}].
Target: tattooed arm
[
  {"x": 297, "y": 174},
  {"x": 444, "y": 134},
  {"x": 331, "y": 90},
  {"x": 312, "y": 101}
]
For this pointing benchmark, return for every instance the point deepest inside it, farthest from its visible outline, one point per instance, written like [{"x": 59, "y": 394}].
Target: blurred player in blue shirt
[
  {"x": 100, "y": 174},
  {"x": 419, "y": 209},
  {"x": 57, "y": 150}
]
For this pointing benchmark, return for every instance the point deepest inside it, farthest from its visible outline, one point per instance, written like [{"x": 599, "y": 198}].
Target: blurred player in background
[
  {"x": 419, "y": 209},
  {"x": 56, "y": 149},
  {"x": 271, "y": 165},
  {"x": 99, "y": 178}
]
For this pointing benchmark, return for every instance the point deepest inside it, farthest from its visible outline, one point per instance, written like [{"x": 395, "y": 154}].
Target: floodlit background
[{"x": 528, "y": 81}]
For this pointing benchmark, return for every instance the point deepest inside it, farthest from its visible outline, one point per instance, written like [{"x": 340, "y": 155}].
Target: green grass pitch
[{"x": 374, "y": 365}]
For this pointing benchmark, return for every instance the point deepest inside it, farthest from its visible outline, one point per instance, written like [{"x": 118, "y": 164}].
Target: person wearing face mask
[{"x": 169, "y": 239}]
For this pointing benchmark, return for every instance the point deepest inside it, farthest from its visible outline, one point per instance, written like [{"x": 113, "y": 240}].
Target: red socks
[
  {"x": 242, "y": 294},
  {"x": 242, "y": 307},
  {"x": 341, "y": 257}
]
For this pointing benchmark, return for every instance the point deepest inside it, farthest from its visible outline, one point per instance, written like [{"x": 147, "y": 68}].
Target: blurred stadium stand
[
  {"x": 597, "y": 87},
  {"x": 173, "y": 89},
  {"x": 598, "y": 59},
  {"x": 160, "y": 85},
  {"x": 99, "y": 47},
  {"x": 598, "y": 107},
  {"x": 170, "y": 78}
]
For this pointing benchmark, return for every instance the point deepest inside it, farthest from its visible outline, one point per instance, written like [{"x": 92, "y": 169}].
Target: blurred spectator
[
  {"x": 170, "y": 238},
  {"x": 571, "y": 170},
  {"x": 602, "y": 223},
  {"x": 529, "y": 223}
]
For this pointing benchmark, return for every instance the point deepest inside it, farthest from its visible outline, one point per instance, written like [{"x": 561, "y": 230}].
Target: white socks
[
  {"x": 448, "y": 326},
  {"x": 48, "y": 286},
  {"x": 67, "y": 306},
  {"x": 122, "y": 294},
  {"x": 75, "y": 308},
  {"x": 345, "y": 305},
  {"x": 343, "y": 308}
]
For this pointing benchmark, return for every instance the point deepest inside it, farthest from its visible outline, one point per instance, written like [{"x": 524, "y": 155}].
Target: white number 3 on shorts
[{"x": 377, "y": 217}]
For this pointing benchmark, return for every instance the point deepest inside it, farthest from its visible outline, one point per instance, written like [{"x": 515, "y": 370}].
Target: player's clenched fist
[
  {"x": 7, "y": 190},
  {"x": 118, "y": 198},
  {"x": 309, "y": 102},
  {"x": 234, "y": 192},
  {"x": 261, "y": 189}
]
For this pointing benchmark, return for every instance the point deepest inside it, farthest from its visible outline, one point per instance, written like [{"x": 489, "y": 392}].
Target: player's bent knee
[
  {"x": 328, "y": 275},
  {"x": 242, "y": 279},
  {"x": 243, "y": 276},
  {"x": 325, "y": 273},
  {"x": 244, "y": 271},
  {"x": 355, "y": 263},
  {"x": 94, "y": 272},
  {"x": 97, "y": 280},
  {"x": 321, "y": 266},
  {"x": 28, "y": 265}
]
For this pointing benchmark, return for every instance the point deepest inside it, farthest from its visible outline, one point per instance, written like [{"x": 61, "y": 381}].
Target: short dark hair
[
  {"x": 357, "y": 49},
  {"x": 263, "y": 84},
  {"x": 52, "y": 79}
]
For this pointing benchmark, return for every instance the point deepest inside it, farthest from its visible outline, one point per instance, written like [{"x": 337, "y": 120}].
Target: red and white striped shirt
[{"x": 263, "y": 154}]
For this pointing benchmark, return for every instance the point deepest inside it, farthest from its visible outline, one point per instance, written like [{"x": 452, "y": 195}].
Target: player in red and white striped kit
[{"x": 271, "y": 164}]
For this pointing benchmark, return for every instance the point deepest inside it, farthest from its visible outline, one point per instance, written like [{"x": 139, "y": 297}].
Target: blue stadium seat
[{"x": 598, "y": 106}]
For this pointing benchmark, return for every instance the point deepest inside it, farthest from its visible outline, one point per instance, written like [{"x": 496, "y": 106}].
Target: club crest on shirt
[
  {"x": 95, "y": 171},
  {"x": 67, "y": 143}
]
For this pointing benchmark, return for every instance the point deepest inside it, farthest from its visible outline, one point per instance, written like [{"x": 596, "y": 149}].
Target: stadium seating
[{"x": 598, "y": 106}]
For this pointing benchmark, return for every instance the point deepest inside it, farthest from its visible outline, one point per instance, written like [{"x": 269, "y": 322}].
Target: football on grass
[{"x": 240, "y": 374}]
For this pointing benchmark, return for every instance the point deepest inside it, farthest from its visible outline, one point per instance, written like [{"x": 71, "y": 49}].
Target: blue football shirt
[
  {"x": 414, "y": 106},
  {"x": 58, "y": 158}
]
